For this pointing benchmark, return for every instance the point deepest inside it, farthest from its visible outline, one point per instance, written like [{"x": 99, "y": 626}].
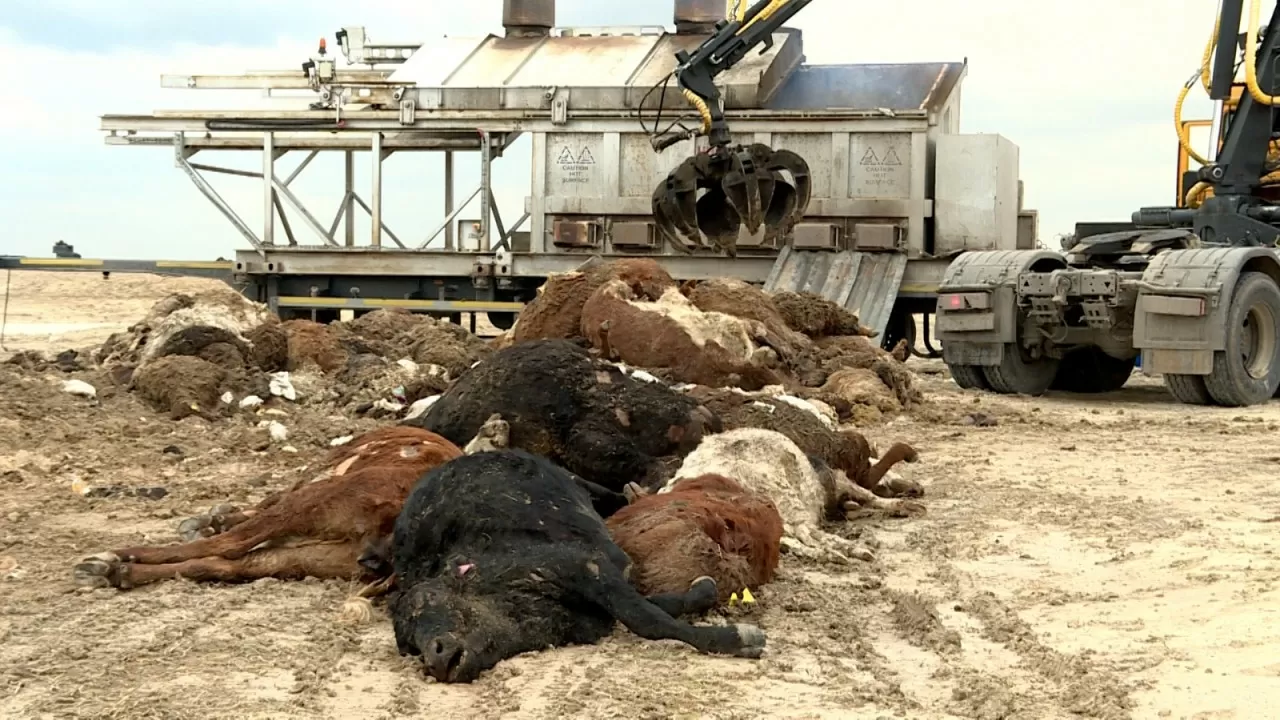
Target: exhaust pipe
[
  {"x": 528, "y": 18},
  {"x": 698, "y": 17}
]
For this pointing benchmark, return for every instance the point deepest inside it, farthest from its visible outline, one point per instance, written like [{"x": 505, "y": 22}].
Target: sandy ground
[{"x": 1102, "y": 558}]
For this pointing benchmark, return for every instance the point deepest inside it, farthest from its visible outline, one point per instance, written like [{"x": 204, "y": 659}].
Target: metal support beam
[
  {"x": 180, "y": 159},
  {"x": 348, "y": 207},
  {"x": 284, "y": 219},
  {"x": 375, "y": 195},
  {"x": 268, "y": 192},
  {"x": 301, "y": 166},
  {"x": 505, "y": 242},
  {"x": 226, "y": 171},
  {"x": 448, "y": 198},
  {"x": 344, "y": 210},
  {"x": 448, "y": 221},
  {"x": 302, "y": 210},
  {"x": 385, "y": 229},
  {"x": 497, "y": 217},
  {"x": 486, "y": 160}
]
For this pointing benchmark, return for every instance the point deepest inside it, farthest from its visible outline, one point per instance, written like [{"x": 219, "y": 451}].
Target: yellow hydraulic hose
[
  {"x": 701, "y": 106},
  {"x": 1251, "y": 56},
  {"x": 1206, "y": 61},
  {"x": 773, "y": 7},
  {"x": 1201, "y": 190},
  {"x": 735, "y": 8}
]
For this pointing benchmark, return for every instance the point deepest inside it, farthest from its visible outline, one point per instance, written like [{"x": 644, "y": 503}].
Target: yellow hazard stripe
[
  {"x": 195, "y": 264},
  {"x": 332, "y": 302},
  {"x": 64, "y": 262}
]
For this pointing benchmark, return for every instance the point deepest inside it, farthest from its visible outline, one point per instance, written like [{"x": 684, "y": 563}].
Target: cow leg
[
  {"x": 322, "y": 560},
  {"x": 219, "y": 519},
  {"x": 607, "y": 588},
  {"x": 700, "y": 598},
  {"x": 605, "y": 501},
  {"x": 232, "y": 544},
  {"x": 898, "y": 452},
  {"x": 861, "y": 496}
]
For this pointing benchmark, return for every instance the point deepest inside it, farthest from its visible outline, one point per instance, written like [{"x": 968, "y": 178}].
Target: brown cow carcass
[
  {"x": 706, "y": 526},
  {"x": 672, "y": 334},
  {"x": 313, "y": 529}
]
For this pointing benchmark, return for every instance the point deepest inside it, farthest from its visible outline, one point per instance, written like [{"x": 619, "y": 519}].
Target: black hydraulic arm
[
  {"x": 1224, "y": 57},
  {"x": 1234, "y": 214},
  {"x": 1243, "y": 157},
  {"x": 731, "y": 42}
]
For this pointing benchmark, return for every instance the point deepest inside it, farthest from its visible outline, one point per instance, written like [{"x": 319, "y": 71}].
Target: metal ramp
[{"x": 865, "y": 283}]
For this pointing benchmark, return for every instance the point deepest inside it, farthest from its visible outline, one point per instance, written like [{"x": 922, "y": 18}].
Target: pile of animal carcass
[
  {"x": 216, "y": 353},
  {"x": 547, "y": 491},
  {"x": 722, "y": 333}
]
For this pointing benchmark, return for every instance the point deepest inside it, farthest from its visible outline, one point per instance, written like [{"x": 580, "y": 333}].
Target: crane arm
[{"x": 696, "y": 72}]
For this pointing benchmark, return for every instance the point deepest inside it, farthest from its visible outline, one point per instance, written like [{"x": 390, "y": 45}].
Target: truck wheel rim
[{"x": 1258, "y": 341}]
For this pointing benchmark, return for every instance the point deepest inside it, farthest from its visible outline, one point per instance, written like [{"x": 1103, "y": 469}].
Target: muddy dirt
[{"x": 1102, "y": 558}]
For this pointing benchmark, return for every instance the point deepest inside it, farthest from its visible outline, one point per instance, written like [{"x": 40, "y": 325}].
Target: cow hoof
[
  {"x": 905, "y": 508},
  {"x": 752, "y": 641},
  {"x": 101, "y": 570},
  {"x": 194, "y": 528},
  {"x": 216, "y": 521},
  {"x": 863, "y": 554},
  {"x": 899, "y": 487},
  {"x": 634, "y": 491}
]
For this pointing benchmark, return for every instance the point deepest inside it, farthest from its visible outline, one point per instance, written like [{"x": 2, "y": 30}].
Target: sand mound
[
  {"x": 312, "y": 344},
  {"x": 184, "y": 324},
  {"x": 182, "y": 385},
  {"x": 269, "y": 347}
]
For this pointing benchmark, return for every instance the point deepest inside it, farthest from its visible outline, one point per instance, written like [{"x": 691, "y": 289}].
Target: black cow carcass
[{"x": 500, "y": 553}]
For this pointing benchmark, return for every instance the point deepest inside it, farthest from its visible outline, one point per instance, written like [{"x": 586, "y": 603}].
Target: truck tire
[
  {"x": 1248, "y": 371},
  {"x": 969, "y": 377},
  {"x": 1088, "y": 370},
  {"x": 1188, "y": 389},
  {"x": 502, "y": 320},
  {"x": 1019, "y": 375}
]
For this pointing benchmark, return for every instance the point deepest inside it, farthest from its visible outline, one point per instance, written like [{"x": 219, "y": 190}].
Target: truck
[
  {"x": 1189, "y": 292},
  {"x": 891, "y": 188}
]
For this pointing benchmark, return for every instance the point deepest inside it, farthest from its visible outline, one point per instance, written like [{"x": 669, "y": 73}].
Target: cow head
[{"x": 460, "y": 622}]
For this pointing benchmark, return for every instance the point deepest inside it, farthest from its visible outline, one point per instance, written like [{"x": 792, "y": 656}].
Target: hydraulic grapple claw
[
  {"x": 714, "y": 194},
  {"x": 675, "y": 208}
]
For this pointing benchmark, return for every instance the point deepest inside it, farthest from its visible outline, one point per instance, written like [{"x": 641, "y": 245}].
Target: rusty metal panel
[
  {"x": 609, "y": 69},
  {"x": 896, "y": 87},
  {"x": 865, "y": 283}
]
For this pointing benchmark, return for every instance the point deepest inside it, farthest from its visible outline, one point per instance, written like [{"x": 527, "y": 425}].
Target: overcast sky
[{"x": 1085, "y": 88}]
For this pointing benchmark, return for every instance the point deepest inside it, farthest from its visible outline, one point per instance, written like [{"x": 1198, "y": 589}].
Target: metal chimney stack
[
  {"x": 528, "y": 18},
  {"x": 698, "y": 17}
]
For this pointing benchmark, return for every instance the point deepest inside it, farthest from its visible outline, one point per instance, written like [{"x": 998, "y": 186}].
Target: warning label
[
  {"x": 575, "y": 166},
  {"x": 879, "y": 171},
  {"x": 890, "y": 157}
]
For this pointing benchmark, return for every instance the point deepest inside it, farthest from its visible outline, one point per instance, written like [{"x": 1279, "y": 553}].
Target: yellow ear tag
[
  {"x": 747, "y": 598},
  {"x": 733, "y": 599}
]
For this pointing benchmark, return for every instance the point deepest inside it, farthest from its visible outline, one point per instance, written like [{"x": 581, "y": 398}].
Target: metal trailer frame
[{"x": 487, "y": 92}]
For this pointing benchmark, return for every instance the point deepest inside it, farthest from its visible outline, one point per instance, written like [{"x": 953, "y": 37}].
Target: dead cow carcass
[
  {"x": 803, "y": 423},
  {"x": 705, "y": 526},
  {"x": 805, "y": 489},
  {"x": 671, "y": 333},
  {"x": 500, "y": 553},
  {"x": 580, "y": 412},
  {"x": 317, "y": 529}
]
